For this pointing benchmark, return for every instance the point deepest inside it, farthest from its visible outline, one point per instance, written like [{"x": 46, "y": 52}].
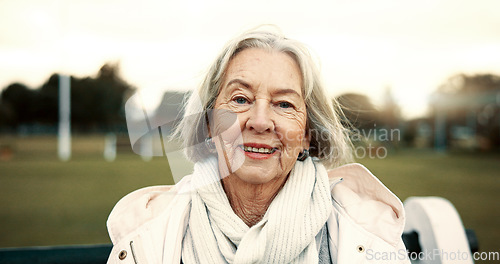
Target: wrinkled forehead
[{"x": 270, "y": 50}]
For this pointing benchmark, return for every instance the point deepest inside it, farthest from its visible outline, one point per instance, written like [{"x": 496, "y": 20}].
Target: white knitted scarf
[{"x": 286, "y": 234}]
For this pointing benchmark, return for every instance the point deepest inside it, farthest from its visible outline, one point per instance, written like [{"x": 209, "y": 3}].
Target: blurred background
[{"x": 419, "y": 80}]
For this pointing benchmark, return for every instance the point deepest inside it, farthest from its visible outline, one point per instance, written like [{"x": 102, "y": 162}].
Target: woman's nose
[{"x": 260, "y": 118}]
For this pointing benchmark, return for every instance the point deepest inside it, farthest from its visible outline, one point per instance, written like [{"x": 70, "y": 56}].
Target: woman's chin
[{"x": 256, "y": 176}]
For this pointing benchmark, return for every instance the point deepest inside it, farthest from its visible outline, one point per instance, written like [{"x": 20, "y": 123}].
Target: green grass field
[{"x": 48, "y": 202}]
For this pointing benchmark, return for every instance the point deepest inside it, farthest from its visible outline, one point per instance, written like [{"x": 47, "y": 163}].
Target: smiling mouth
[{"x": 258, "y": 150}]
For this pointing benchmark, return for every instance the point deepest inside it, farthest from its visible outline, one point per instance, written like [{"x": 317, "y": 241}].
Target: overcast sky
[{"x": 363, "y": 45}]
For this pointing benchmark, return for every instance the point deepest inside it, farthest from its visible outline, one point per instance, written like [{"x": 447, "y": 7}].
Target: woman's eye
[
  {"x": 241, "y": 100},
  {"x": 285, "y": 105}
]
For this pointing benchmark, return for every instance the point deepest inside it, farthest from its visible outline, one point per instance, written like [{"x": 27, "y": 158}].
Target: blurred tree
[
  {"x": 7, "y": 117},
  {"x": 96, "y": 103},
  {"x": 470, "y": 84},
  {"x": 48, "y": 101},
  {"x": 470, "y": 101},
  {"x": 358, "y": 110},
  {"x": 116, "y": 91},
  {"x": 390, "y": 113},
  {"x": 19, "y": 103}
]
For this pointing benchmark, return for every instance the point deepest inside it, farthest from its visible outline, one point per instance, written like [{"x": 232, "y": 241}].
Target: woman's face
[{"x": 263, "y": 90}]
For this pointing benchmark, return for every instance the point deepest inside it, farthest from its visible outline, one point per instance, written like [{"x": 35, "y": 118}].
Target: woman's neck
[{"x": 250, "y": 201}]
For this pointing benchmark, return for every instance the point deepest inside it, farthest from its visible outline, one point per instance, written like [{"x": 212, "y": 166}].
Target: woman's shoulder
[
  {"x": 367, "y": 201},
  {"x": 360, "y": 180},
  {"x": 142, "y": 205}
]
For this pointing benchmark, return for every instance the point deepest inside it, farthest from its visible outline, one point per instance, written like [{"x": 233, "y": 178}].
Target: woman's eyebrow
[
  {"x": 279, "y": 91},
  {"x": 239, "y": 81},
  {"x": 286, "y": 91}
]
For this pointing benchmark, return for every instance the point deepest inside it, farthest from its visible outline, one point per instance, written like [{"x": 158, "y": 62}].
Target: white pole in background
[
  {"x": 110, "y": 147},
  {"x": 64, "y": 134}
]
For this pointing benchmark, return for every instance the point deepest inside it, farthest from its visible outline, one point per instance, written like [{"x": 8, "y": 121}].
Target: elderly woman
[{"x": 260, "y": 191}]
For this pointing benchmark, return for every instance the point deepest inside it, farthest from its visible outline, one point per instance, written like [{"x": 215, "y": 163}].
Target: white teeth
[{"x": 258, "y": 150}]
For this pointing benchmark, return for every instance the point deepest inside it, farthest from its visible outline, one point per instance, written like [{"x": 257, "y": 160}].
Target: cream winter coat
[{"x": 366, "y": 224}]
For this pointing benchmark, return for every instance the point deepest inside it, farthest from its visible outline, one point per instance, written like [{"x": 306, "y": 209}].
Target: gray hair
[{"x": 329, "y": 140}]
